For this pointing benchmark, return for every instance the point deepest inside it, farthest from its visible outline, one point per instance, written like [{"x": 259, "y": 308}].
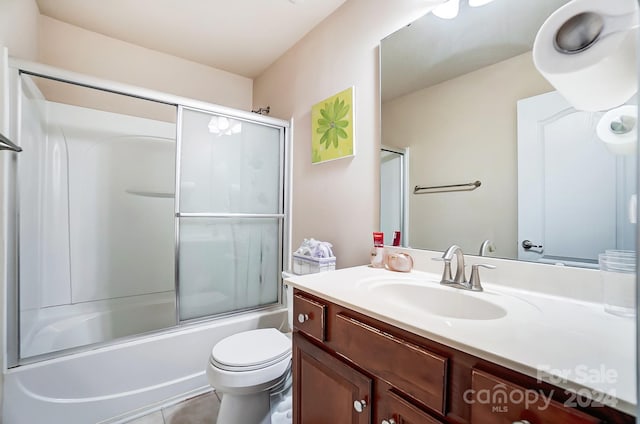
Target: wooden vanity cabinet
[
  {"x": 326, "y": 389},
  {"x": 350, "y": 368},
  {"x": 506, "y": 404},
  {"x": 392, "y": 408}
]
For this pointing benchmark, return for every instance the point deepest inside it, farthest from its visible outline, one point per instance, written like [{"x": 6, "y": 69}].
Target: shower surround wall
[{"x": 91, "y": 228}]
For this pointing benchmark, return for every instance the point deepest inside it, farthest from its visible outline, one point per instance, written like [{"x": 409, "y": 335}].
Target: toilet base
[{"x": 253, "y": 408}]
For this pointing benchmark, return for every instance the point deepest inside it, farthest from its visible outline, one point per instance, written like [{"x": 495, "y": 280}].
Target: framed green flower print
[{"x": 332, "y": 127}]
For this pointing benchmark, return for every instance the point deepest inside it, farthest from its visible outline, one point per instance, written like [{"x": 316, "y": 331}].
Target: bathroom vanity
[{"x": 361, "y": 357}]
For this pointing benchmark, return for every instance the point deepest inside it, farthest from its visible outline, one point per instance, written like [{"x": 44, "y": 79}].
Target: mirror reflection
[{"x": 505, "y": 165}]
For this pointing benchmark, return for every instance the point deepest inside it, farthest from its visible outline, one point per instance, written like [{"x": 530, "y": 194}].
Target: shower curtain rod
[{"x": 6, "y": 144}]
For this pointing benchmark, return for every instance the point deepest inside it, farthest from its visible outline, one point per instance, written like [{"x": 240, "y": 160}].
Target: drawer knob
[
  {"x": 359, "y": 405},
  {"x": 521, "y": 422},
  {"x": 389, "y": 421},
  {"x": 302, "y": 318}
]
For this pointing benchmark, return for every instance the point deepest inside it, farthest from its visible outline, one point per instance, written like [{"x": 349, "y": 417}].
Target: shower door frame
[{"x": 9, "y": 202}]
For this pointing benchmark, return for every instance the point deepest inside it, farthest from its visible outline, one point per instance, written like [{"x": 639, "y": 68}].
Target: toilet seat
[
  {"x": 249, "y": 362},
  {"x": 251, "y": 350}
]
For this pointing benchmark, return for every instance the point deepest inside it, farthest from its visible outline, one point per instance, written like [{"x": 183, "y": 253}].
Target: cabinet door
[
  {"x": 396, "y": 410},
  {"x": 326, "y": 390},
  {"x": 498, "y": 401}
]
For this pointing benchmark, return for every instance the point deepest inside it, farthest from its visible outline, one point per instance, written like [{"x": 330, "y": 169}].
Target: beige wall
[
  {"x": 76, "y": 49},
  {"x": 19, "y": 28},
  {"x": 460, "y": 131},
  {"x": 336, "y": 201}
]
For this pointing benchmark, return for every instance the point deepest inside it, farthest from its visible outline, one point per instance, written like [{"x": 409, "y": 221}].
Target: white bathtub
[
  {"x": 68, "y": 326},
  {"x": 116, "y": 382}
]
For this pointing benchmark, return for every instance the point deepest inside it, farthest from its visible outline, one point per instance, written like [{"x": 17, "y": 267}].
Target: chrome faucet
[
  {"x": 447, "y": 257},
  {"x": 460, "y": 280},
  {"x": 486, "y": 246}
]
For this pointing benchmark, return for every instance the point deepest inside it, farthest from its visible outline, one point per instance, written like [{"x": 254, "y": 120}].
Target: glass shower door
[
  {"x": 96, "y": 204},
  {"x": 229, "y": 214}
]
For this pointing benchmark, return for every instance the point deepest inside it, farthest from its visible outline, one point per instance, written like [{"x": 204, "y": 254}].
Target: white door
[{"x": 567, "y": 195}]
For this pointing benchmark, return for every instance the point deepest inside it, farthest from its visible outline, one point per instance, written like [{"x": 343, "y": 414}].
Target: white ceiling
[
  {"x": 432, "y": 50},
  {"x": 239, "y": 36}
]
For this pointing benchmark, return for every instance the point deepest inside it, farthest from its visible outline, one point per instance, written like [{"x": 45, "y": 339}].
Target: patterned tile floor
[{"x": 201, "y": 409}]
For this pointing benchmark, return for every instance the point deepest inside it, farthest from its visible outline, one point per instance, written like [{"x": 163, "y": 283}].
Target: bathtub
[
  {"x": 62, "y": 327},
  {"x": 114, "y": 383}
]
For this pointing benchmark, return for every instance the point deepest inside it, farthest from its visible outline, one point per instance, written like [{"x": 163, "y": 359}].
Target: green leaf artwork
[{"x": 332, "y": 127}]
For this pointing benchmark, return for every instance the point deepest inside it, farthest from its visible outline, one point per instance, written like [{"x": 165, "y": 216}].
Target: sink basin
[{"x": 438, "y": 300}]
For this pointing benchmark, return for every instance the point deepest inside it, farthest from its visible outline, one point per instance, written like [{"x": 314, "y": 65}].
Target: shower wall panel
[
  {"x": 121, "y": 173},
  {"x": 44, "y": 247},
  {"x": 96, "y": 205}
]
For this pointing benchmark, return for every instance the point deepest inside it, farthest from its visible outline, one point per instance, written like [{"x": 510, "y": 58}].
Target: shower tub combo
[{"x": 140, "y": 229}]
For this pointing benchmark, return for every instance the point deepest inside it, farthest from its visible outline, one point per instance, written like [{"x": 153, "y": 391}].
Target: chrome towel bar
[
  {"x": 447, "y": 188},
  {"x": 6, "y": 144}
]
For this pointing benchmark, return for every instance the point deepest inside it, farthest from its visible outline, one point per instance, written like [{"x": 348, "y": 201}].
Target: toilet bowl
[{"x": 243, "y": 368}]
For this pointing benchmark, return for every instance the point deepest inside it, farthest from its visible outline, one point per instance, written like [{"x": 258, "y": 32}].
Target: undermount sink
[{"x": 437, "y": 300}]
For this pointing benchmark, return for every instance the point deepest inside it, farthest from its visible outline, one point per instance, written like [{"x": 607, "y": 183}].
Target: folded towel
[{"x": 315, "y": 249}]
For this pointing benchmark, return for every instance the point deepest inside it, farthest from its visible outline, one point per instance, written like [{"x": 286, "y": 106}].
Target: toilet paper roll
[
  {"x": 600, "y": 77},
  {"x": 620, "y": 144}
]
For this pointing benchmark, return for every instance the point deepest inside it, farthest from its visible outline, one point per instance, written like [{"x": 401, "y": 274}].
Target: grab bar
[
  {"x": 6, "y": 144},
  {"x": 447, "y": 188}
]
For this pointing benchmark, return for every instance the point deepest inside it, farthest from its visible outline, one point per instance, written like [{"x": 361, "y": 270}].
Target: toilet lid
[{"x": 250, "y": 349}]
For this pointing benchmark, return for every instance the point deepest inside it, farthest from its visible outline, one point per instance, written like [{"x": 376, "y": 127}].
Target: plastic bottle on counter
[{"x": 377, "y": 252}]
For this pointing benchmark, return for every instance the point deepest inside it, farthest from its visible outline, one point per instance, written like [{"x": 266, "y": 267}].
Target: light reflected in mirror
[{"x": 464, "y": 97}]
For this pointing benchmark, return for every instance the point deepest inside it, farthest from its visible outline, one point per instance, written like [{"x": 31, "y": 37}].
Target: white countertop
[{"x": 570, "y": 343}]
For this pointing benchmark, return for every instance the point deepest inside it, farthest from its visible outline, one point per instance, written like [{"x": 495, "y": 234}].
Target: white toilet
[{"x": 244, "y": 367}]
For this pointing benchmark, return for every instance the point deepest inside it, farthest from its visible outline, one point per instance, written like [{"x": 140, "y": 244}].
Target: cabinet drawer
[
  {"x": 309, "y": 317},
  {"x": 498, "y": 401},
  {"x": 412, "y": 369},
  {"x": 396, "y": 410}
]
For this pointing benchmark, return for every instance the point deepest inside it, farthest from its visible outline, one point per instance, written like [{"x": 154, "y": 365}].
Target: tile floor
[{"x": 201, "y": 409}]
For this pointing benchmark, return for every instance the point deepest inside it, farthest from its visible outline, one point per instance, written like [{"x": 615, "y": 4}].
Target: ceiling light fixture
[
  {"x": 220, "y": 125},
  {"x": 448, "y": 10}
]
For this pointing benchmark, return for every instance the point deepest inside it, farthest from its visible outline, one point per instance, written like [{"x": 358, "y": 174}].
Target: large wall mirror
[{"x": 529, "y": 172}]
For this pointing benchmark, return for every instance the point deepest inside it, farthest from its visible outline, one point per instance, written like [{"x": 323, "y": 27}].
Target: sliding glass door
[
  {"x": 229, "y": 214},
  {"x": 132, "y": 212},
  {"x": 96, "y": 208}
]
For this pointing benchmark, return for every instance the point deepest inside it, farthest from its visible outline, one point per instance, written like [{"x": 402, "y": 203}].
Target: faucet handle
[
  {"x": 446, "y": 273},
  {"x": 474, "y": 281}
]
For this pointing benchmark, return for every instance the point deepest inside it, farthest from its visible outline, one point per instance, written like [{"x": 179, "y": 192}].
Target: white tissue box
[{"x": 307, "y": 265}]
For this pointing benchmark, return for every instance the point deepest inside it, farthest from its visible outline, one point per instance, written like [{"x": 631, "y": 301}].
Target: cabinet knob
[
  {"x": 359, "y": 405},
  {"x": 521, "y": 422},
  {"x": 302, "y": 318},
  {"x": 389, "y": 421}
]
